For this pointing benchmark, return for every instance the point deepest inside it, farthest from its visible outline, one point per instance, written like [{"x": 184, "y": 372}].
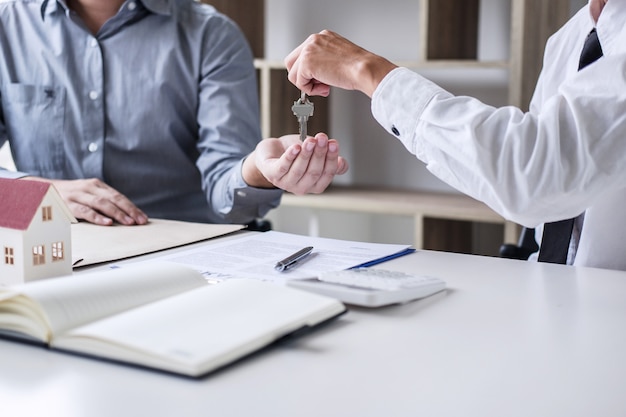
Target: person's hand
[
  {"x": 326, "y": 59},
  {"x": 94, "y": 201},
  {"x": 294, "y": 166}
]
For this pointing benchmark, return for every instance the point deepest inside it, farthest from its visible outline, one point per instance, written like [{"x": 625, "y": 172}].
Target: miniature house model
[{"x": 35, "y": 232}]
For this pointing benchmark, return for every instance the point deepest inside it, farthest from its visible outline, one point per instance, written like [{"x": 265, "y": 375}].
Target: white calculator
[{"x": 371, "y": 287}]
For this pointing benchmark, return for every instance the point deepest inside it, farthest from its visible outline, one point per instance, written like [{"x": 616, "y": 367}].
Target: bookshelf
[{"x": 448, "y": 40}]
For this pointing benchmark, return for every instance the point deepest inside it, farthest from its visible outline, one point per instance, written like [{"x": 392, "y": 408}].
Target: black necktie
[{"x": 556, "y": 235}]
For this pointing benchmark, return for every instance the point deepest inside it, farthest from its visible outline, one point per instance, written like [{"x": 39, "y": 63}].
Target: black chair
[
  {"x": 526, "y": 246},
  {"x": 259, "y": 225}
]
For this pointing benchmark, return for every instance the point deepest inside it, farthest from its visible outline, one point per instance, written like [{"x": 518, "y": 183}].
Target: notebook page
[
  {"x": 76, "y": 300},
  {"x": 201, "y": 330}
]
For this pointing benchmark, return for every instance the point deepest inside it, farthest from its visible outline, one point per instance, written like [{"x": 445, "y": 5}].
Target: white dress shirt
[{"x": 566, "y": 156}]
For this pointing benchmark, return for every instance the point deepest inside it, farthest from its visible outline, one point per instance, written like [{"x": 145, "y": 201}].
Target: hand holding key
[
  {"x": 295, "y": 166},
  {"x": 303, "y": 109},
  {"x": 299, "y": 165},
  {"x": 327, "y": 59}
]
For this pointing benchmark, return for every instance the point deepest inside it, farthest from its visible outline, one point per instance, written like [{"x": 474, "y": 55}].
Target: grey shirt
[{"x": 161, "y": 104}]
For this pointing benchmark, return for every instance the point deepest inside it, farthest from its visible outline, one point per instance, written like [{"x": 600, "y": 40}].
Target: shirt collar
[
  {"x": 48, "y": 7},
  {"x": 163, "y": 7},
  {"x": 611, "y": 27}
]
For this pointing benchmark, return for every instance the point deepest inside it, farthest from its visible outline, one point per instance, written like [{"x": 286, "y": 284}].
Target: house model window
[
  {"x": 46, "y": 213},
  {"x": 57, "y": 251},
  {"x": 39, "y": 255},
  {"x": 9, "y": 256}
]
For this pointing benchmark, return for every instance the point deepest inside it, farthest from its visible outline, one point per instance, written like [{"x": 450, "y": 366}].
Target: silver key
[{"x": 302, "y": 109}]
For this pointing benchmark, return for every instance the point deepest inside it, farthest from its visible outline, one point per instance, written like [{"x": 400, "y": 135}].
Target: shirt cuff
[
  {"x": 5, "y": 173},
  {"x": 398, "y": 103},
  {"x": 251, "y": 201}
]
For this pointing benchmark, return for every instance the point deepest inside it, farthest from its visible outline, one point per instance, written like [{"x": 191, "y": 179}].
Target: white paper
[{"x": 255, "y": 255}]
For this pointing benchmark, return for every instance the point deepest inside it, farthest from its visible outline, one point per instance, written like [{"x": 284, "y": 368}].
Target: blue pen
[
  {"x": 292, "y": 260},
  {"x": 384, "y": 258}
]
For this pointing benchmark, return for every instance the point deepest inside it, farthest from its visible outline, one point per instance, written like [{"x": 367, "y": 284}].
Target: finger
[
  {"x": 342, "y": 166},
  {"x": 129, "y": 209},
  {"x": 110, "y": 203},
  {"x": 294, "y": 73},
  {"x": 324, "y": 165},
  {"x": 333, "y": 165},
  {"x": 319, "y": 170},
  {"x": 83, "y": 212},
  {"x": 342, "y": 163},
  {"x": 299, "y": 71},
  {"x": 74, "y": 194},
  {"x": 317, "y": 88},
  {"x": 304, "y": 80},
  {"x": 297, "y": 168},
  {"x": 118, "y": 207},
  {"x": 291, "y": 59},
  {"x": 302, "y": 77},
  {"x": 283, "y": 165}
]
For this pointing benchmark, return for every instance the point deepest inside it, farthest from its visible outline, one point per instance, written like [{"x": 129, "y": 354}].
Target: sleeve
[
  {"x": 229, "y": 125},
  {"x": 529, "y": 167},
  {"x": 4, "y": 172}
]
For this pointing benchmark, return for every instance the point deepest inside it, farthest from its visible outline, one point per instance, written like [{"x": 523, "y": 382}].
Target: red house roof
[{"x": 19, "y": 202}]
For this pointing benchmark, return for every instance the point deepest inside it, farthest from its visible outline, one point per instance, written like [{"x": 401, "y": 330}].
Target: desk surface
[{"x": 509, "y": 338}]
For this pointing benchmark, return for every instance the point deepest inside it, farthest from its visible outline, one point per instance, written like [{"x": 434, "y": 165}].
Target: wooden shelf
[
  {"x": 250, "y": 16},
  {"x": 450, "y": 29},
  {"x": 418, "y": 205}
]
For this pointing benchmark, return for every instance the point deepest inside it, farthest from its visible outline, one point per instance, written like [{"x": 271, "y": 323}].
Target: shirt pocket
[{"x": 34, "y": 120}]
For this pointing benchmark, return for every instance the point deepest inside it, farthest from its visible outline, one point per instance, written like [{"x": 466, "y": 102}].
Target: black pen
[{"x": 292, "y": 260}]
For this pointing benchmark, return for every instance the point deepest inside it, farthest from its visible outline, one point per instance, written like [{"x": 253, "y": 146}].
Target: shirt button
[
  {"x": 94, "y": 42},
  {"x": 93, "y": 147},
  {"x": 132, "y": 6},
  {"x": 395, "y": 131},
  {"x": 94, "y": 95},
  {"x": 242, "y": 193}
]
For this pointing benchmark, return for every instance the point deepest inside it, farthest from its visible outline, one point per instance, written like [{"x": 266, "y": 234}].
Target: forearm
[{"x": 528, "y": 167}]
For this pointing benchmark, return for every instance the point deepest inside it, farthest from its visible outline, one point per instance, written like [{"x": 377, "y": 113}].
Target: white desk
[{"x": 509, "y": 338}]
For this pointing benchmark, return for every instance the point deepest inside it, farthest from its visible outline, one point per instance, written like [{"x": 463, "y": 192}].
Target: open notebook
[{"x": 159, "y": 315}]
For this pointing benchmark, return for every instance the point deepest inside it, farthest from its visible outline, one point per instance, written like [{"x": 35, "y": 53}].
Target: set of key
[{"x": 302, "y": 109}]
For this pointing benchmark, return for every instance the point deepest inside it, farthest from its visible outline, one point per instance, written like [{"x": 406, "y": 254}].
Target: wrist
[
  {"x": 252, "y": 175},
  {"x": 370, "y": 72}
]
